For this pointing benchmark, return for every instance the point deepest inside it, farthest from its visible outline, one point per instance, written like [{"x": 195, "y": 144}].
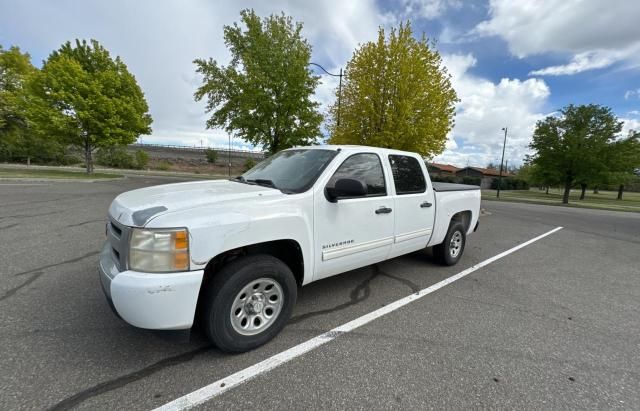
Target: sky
[{"x": 512, "y": 62}]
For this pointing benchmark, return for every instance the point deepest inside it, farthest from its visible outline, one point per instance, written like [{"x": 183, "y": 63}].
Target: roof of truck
[{"x": 350, "y": 147}]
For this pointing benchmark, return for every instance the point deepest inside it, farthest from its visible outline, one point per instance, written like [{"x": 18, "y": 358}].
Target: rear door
[
  {"x": 354, "y": 232},
  {"x": 414, "y": 204}
]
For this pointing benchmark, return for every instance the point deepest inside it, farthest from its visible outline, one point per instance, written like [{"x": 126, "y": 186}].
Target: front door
[{"x": 354, "y": 232}]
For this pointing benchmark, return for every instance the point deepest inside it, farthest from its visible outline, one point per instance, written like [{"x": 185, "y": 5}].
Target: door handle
[
  {"x": 383, "y": 210},
  {"x": 425, "y": 204}
]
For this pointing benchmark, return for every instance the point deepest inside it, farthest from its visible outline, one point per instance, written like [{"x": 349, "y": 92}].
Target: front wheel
[
  {"x": 451, "y": 249},
  {"x": 248, "y": 302}
]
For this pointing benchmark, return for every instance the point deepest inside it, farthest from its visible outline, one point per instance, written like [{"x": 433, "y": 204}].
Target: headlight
[{"x": 159, "y": 251}]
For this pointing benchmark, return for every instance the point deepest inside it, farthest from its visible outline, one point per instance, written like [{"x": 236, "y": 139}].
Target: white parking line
[{"x": 213, "y": 390}]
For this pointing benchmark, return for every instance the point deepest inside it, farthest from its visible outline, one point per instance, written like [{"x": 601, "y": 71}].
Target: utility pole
[
  {"x": 504, "y": 144},
  {"x": 339, "y": 88}
]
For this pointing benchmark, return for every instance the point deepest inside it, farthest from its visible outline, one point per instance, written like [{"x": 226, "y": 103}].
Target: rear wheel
[
  {"x": 451, "y": 249},
  {"x": 248, "y": 302}
]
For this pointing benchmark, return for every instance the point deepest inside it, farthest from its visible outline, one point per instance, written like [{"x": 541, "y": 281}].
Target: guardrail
[{"x": 196, "y": 148}]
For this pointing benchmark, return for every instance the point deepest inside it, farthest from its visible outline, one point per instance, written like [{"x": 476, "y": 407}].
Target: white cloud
[
  {"x": 588, "y": 60},
  {"x": 630, "y": 124},
  {"x": 159, "y": 40},
  {"x": 629, "y": 94},
  {"x": 485, "y": 108},
  {"x": 594, "y": 33},
  {"x": 428, "y": 9}
]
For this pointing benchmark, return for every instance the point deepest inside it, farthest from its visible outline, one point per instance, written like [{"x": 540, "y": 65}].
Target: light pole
[
  {"x": 339, "y": 87},
  {"x": 504, "y": 144},
  {"x": 229, "y": 155}
]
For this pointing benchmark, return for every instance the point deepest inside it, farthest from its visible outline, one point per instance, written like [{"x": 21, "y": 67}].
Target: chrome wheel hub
[
  {"x": 257, "y": 306},
  {"x": 455, "y": 245}
]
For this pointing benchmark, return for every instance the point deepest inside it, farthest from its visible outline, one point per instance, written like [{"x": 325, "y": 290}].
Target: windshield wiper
[
  {"x": 240, "y": 179},
  {"x": 263, "y": 182}
]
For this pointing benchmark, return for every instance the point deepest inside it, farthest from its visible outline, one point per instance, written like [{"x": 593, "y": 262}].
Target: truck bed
[{"x": 453, "y": 187}]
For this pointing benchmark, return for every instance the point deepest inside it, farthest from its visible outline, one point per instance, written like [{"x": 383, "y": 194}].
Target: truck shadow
[
  {"x": 361, "y": 282},
  {"x": 313, "y": 294}
]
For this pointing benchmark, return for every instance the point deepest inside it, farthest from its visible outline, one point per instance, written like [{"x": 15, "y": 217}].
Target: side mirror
[{"x": 346, "y": 187}]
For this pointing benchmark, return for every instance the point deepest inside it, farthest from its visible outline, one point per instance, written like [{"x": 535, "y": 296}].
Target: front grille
[{"x": 118, "y": 235}]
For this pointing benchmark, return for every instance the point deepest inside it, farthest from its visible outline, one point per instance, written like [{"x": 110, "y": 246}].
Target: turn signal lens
[
  {"x": 180, "y": 240},
  {"x": 159, "y": 250}
]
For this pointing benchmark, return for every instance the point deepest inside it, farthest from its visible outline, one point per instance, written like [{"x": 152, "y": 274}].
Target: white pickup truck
[{"x": 232, "y": 253}]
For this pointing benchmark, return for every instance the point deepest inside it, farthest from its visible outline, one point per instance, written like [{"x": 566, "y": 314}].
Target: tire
[
  {"x": 237, "y": 323},
  {"x": 452, "y": 248}
]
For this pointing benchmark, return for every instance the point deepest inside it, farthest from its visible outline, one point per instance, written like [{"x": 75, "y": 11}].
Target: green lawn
[
  {"x": 60, "y": 174},
  {"x": 605, "y": 200}
]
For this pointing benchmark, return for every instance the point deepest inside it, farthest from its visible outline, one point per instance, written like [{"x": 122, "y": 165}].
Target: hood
[{"x": 136, "y": 208}]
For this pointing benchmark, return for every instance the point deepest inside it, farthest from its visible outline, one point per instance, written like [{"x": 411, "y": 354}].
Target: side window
[
  {"x": 363, "y": 167},
  {"x": 407, "y": 175}
]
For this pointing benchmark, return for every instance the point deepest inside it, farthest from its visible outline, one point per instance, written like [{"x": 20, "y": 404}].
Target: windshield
[{"x": 292, "y": 171}]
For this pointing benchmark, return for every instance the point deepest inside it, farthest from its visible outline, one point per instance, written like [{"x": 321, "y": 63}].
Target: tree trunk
[
  {"x": 620, "y": 190},
  {"x": 567, "y": 190},
  {"x": 28, "y": 161},
  {"x": 88, "y": 161},
  {"x": 595, "y": 190},
  {"x": 275, "y": 143},
  {"x": 547, "y": 191},
  {"x": 583, "y": 187}
]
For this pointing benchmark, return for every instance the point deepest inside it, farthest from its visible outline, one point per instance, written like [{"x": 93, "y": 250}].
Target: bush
[
  {"x": 249, "y": 164},
  {"x": 45, "y": 153},
  {"x": 212, "y": 155},
  {"x": 164, "y": 166},
  {"x": 509, "y": 183},
  {"x": 116, "y": 157},
  {"x": 444, "y": 179},
  {"x": 473, "y": 181},
  {"x": 142, "y": 159},
  {"x": 119, "y": 157}
]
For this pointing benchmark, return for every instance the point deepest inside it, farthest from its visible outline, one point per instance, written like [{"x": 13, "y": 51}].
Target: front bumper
[{"x": 157, "y": 301}]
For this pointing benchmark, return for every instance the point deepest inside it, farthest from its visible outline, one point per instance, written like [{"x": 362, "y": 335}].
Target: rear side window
[
  {"x": 363, "y": 167},
  {"x": 407, "y": 175}
]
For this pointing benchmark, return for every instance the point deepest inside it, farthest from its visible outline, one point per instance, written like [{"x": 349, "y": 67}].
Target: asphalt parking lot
[{"x": 553, "y": 325}]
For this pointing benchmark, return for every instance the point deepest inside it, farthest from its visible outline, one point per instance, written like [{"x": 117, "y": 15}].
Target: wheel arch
[
  {"x": 463, "y": 217},
  {"x": 443, "y": 223},
  {"x": 288, "y": 251}
]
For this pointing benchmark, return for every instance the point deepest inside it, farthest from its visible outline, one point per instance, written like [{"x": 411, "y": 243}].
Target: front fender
[{"x": 216, "y": 229}]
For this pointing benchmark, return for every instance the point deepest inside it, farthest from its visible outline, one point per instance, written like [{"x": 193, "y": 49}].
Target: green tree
[
  {"x": 574, "y": 146},
  {"x": 15, "y": 70},
  {"x": 624, "y": 161},
  {"x": 17, "y": 136},
  {"x": 264, "y": 94},
  {"x": 534, "y": 174},
  {"x": 90, "y": 100},
  {"x": 212, "y": 155},
  {"x": 396, "y": 94}
]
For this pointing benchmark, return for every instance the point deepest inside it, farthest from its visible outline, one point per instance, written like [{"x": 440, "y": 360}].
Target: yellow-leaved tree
[{"x": 396, "y": 94}]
